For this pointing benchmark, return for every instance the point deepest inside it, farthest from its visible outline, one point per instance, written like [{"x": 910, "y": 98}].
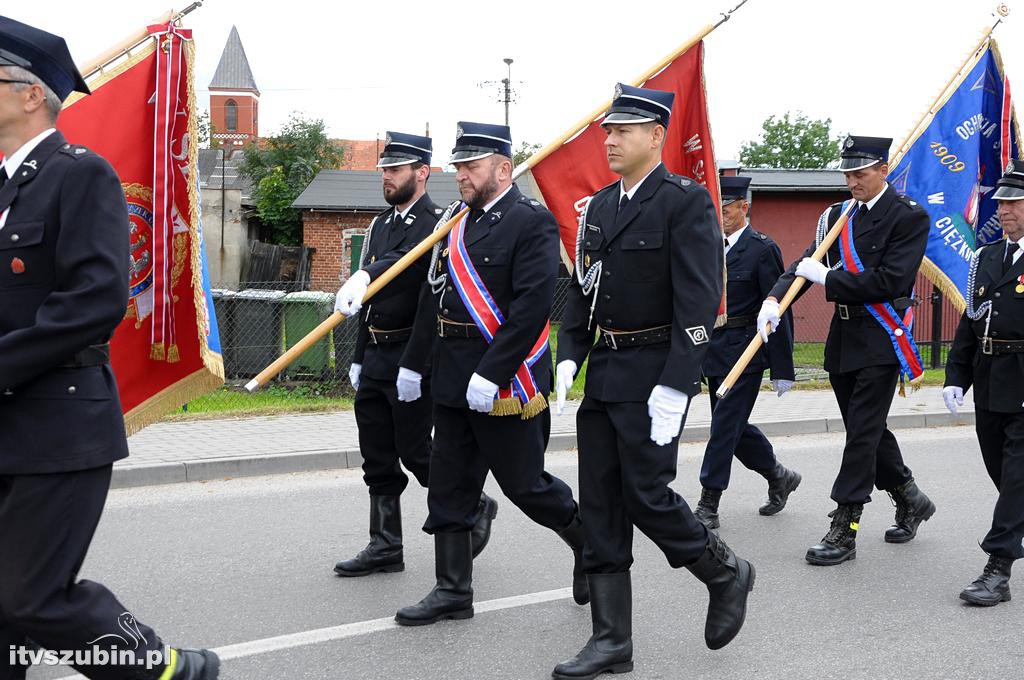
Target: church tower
[{"x": 234, "y": 97}]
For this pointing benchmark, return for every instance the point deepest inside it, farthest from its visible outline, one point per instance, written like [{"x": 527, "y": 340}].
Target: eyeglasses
[{"x": 6, "y": 80}]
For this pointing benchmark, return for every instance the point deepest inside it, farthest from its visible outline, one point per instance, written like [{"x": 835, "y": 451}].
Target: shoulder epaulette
[
  {"x": 906, "y": 200},
  {"x": 684, "y": 183},
  {"x": 75, "y": 150}
]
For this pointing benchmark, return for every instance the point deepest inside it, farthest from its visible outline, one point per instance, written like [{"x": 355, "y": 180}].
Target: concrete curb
[{"x": 209, "y": 469}]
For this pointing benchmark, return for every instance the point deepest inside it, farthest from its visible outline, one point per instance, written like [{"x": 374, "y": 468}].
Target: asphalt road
[{"x": 245, "y": 566}]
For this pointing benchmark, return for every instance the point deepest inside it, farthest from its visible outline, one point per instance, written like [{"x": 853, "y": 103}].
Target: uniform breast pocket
[
  {"x": 490, "y": 257},
  {"x": 22, "y": 259},
  {"x": 644, "y": 257}
]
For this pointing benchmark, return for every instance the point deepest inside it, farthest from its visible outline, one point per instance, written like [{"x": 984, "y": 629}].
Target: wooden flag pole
[
  {"x": 787, "y": 300},
  {"x": 755, "y": 343},
  {"x": 294, "y": 352},
  {"x": 421, "y": 249},
  {"x": 98, "y": 63},
  {"x": 546, "y": 151}
]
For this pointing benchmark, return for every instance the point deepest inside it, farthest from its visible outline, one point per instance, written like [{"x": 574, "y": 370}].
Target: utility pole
[{"x": 507, "y": 81}]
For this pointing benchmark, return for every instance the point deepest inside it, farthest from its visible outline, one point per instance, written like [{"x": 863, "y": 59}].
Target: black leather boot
[
  {"x": 707, "y": 508},
  {"x": 610, "y": 648},
  {"x": 192, "y": 664},
  {"x": 384, "y": 552},
  {"x": 840, "y": 543},
  {"x": 730, "y": 580},
  {"x": 912, "y": 508},
  {"x": 781, "y": 482},
  {"x": 452, "y": 596},
  {"x": 481, "y": 531},
  {"x": 993, "y": 586},
  {"x": 573, "y": 536}
]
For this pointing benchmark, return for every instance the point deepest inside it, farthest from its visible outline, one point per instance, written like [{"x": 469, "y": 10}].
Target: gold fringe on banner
[{"x": 156, "y": 407}]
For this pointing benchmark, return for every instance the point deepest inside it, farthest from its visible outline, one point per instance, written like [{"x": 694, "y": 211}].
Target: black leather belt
[
  {"x": 847, "y": 312},
  {"x": 647, "y": 336},
  {"x": 741, "y": 321},
  {"x": 94, "y": 355},
  {"x": 454, "y": 329},
  {"x": 383, "y": 337},
  {"x": 993, "y": 347}
]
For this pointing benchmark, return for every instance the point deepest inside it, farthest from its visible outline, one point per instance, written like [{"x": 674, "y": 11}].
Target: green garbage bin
[
  {"x": 304, "y": 311},
  {"x": 224, "y": 308}
]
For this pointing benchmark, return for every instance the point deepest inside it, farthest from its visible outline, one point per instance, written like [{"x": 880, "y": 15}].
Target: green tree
[
  {"x": 524, "y": 151},
  {"x": 282, "y": 166},
  {"x": 792, "y": 142}
]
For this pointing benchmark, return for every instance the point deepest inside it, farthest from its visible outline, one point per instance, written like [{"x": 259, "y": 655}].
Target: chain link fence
[{"x": 259, "y": 321}]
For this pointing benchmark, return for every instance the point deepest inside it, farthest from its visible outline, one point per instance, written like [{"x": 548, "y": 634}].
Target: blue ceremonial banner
[{"x": 951, "y": 166}]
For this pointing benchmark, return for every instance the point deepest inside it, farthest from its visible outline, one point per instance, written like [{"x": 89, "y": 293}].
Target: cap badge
[
  {"x": 849, "y": 143},
  {"x": 618, "y": 91},
  {"x": 459, "y": 132},
  {"x": 387, "y": 139}
]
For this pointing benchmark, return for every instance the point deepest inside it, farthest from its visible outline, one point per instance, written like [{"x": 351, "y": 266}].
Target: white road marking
[{"x": 348, "y": 630}]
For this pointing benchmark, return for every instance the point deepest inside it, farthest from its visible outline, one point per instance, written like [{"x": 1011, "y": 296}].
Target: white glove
[
  {"x": 768, "y": 316},
  {"x": 564, "y": 374},
  {"x": 812, "y": 270},
  {"x": 481, "y": 393},
  {"x": 408, "y": 384},
  {"x": 953, "y": 396},
  {"x": 350, "y": 296},
  {"x": 353, "y": 374},
  {"x": 782, "y": 386},
  {"x": 666, "y": 407}
]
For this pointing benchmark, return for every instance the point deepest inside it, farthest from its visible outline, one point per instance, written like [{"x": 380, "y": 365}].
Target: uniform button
[
  {"x": 995, "y": 313},
  {"x": 608, "y": 321},
  {"x": 608, "y": 250},
  {"x": 487, "y": 259},
  {"x": 607, "y": 273},
  {"x": 997, "y": 294},
  {"x": 607, "y": 296},
  {"x": 451, "y": 288},
  {"x": 993, "y": 334},
  {"x": 15, "y": 238},
  {"x": 72, "y": 389},
  {"x": 642, "y": 243},
  {"x": 444, "y": 311},
  {"x": 8, "y": 392}
]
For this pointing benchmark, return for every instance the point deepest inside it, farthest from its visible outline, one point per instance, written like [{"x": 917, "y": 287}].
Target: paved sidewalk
[{"x": 213, "y": 449}]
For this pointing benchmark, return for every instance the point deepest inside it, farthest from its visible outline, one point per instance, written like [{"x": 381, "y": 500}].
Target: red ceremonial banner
[
  {"x": 141, "y": 118},
  {"x": 579, "y": 167}
]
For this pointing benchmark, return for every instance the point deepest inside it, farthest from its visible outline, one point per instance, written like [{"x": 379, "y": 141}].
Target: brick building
[{"x": 234, "y": 97}]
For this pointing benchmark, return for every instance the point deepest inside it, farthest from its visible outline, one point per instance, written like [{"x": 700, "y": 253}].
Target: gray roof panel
[{"x": 360, "y": 190}]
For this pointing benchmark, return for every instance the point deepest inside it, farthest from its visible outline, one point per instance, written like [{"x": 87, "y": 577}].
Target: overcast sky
[{"x": 872, "y": 66}]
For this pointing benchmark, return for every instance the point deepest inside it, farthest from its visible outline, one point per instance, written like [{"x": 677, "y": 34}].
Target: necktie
[
  {"x": 475, "y": 214},
  {"x": 862, "y": 210},
  {"x": 624, "y": 202},
  {"x": 1011, "y": 248}
]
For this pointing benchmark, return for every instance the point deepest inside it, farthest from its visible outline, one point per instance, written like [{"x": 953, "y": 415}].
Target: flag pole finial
[{"x": 728, "y": 15}]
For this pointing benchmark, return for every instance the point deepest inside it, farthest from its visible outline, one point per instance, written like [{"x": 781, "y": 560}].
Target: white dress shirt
[{"x": 15, "y": 160}]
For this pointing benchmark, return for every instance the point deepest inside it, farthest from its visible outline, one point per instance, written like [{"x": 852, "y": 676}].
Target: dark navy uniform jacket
[
  {"x": 998, "y": 380},
  {"x": 661, "y": 265},
  {"x": 394, "y": 307},
  {"x": 890, "y": 241},
  {"x": 514, "y": 247},
  {"x": 68, "y": 229},
  {"x": 752, "y": 265}
]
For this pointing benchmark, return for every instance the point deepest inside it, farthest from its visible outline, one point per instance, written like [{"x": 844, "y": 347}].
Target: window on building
[{"x": 231, "y": 115}]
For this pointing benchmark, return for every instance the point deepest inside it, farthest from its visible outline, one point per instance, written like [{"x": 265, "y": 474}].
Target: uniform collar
[
  {"x": 402, "y": 214},
  {"x": 487, "y": 208},
  {"x": 871, "y": 204},
  {"x": 735, "y": 236},
  {"x": 12, "y": 164},
  {"x": 636, "y": 187}
]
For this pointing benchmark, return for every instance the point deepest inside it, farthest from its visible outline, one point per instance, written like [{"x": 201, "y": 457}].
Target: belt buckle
[
  {"x": 440, "y": 328},
  {"x": 609, "y": 339},
  {"x": 986, "y": 345},
  {"x": 373, "y": 336},
  {"x": 844, "y": 312}
]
